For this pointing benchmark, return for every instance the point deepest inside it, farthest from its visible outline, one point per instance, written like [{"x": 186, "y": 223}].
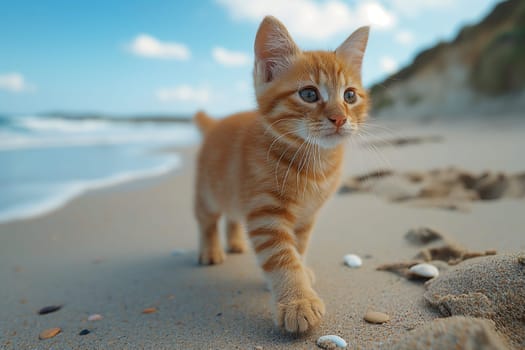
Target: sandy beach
[{"x": 120, "y": 250}]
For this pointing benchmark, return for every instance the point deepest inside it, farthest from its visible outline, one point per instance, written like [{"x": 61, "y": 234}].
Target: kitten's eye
[
  {"x": 350, "y": 96},
  {"x": 309, "y": 94}
]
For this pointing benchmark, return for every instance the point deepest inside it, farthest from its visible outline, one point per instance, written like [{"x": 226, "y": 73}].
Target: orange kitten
[{"x": 269, "y": 171}]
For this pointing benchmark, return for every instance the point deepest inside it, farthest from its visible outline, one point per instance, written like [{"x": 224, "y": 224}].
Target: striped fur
[{"x": 269, "y": 171}]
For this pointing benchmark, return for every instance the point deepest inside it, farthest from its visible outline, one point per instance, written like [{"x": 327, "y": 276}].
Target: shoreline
[
  {"x": 76, "y": 189},
  {"x": 49, "y": 161}
]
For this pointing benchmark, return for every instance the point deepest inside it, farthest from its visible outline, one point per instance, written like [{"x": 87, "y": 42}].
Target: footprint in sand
[{"x": 449, "y": 188}]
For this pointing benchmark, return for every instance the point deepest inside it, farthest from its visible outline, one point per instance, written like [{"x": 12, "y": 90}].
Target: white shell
[
  {"x": 352, "y": 260},
  {"x": 425, "y": 270},
  {"x": 334, "y": 339},
  {"x": 95, "y": 317}
]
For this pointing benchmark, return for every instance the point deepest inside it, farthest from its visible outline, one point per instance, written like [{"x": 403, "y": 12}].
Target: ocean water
[{"x": 46, "y": 161}]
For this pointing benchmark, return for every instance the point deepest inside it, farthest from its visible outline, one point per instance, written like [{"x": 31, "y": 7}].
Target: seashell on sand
[
  {"x": 95, "y": 317},
  {"x": 352, "y": 260},
  {"x": 149, "y": 310},
  {"x": 331, "y": 342},
  {"x": 49, "y": 333},
  {"x": 424, "y": 270}
]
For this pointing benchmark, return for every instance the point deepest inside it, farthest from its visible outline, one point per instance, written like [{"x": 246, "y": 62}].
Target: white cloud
[
  {"x": 377, "y": 15},
  {"x": 183, "y": 93},
  {"x": 404, "y": 37},
  {"x": 230, "y": 58},
  {"x": 388, "y": 64},
  {"x": 311, "y": 19},
  {"x": 15, "y": 82},
  {"x": 147, "y": 46}
]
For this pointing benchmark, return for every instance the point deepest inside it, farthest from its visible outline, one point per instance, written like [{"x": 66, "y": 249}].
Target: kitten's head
[{"x": 315, "y": 96}]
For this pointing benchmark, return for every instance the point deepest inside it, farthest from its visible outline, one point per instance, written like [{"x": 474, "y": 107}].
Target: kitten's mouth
[
  {"x": 329, "y": 137},
  {"x": 338, "y": 133},
  {"x": 332, "y": 139}
]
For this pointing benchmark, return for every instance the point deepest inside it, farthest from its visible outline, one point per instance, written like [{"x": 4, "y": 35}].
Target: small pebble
[
  {"x": 95, "y": 317},
  {"x": 258, "y": 347},
  {"x": 331, "y": 342},
  {"x": 376, "y": 317},
  {"x": 424, "y": 270},
  {"x": 49, "y": 333},
  {"x": 352, "y": 260},
  {"x": 149, "y": 310},
  {"x": 49, "y": 309},
  {"x": 84, "y": 332}
]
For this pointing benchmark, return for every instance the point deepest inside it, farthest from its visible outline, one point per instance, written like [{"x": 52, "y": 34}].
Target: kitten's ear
[
  {"x": 352, "y": 49},
  {"x": 274, "y": 49}
]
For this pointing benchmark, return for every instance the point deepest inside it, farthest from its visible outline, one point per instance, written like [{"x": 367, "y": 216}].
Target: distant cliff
[{"x": 482, "y": 71}]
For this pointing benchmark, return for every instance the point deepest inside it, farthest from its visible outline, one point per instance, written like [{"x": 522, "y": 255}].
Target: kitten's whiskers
[
  {"x": 277, "y": 139},
  {"x": 290, "y": 165},
  {"x": 378, "y": 154}
]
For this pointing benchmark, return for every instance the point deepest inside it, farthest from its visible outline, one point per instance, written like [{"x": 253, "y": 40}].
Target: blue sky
[{"x": 160, "y": 56}]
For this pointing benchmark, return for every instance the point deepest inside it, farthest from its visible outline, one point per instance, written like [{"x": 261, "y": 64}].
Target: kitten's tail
[{"x": 203, "y": 121}]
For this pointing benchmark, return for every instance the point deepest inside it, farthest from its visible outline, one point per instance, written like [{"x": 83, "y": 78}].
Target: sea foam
[{"x": 67, "y": 191}]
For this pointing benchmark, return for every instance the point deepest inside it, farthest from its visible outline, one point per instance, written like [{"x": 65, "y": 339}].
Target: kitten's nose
[{"x": 338, "y": 120}]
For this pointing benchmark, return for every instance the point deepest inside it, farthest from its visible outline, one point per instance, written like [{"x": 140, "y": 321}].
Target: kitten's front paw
[
  {"x": 211, "y": 256},
  {"x": 300, "y": 315}
]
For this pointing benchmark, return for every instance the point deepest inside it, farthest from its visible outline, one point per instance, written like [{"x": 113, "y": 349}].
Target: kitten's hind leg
[
  {"x": 235, "y": 237},
  {"x": 210, "y": 249}
]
